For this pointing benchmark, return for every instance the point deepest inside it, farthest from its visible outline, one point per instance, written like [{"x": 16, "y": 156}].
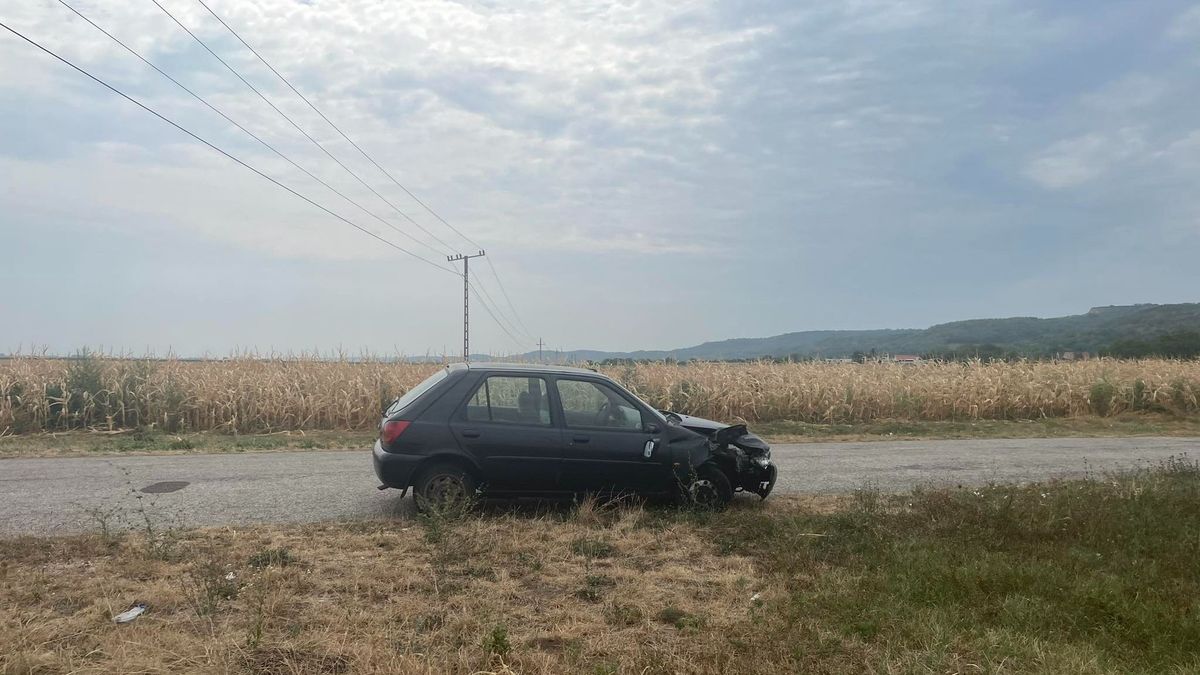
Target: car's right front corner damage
[
  {"x": 745, "y": 458},
  {"x": 742, "y": 456}
]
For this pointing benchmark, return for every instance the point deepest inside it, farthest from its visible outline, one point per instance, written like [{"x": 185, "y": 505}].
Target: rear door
[
  {"x": 507, "y": 426},
  {"x": 605, "y": 439}
]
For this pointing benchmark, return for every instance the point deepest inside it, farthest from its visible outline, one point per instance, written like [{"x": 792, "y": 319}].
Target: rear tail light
[{"x": 391, "y": 430}]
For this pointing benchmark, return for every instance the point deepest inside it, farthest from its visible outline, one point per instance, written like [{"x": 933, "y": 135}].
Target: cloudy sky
[{"x": 643, "y": 174}]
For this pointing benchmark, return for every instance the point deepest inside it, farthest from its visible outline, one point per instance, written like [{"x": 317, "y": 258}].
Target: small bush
[
  {"x": 496, "y": 642},
  {"x": 272, "y": 557},
  {"x": 678, "y": 618},
  {"x": 593, "y": 587},
  {"x": 620, "y": 614},
  {"x": 181, "y": 444},
  {"x": 1100, "y": 397},
  {"x": 209, "y": 584},
  {"x": 593, "y": 548},
  {"x": 1139, "y": 399}
]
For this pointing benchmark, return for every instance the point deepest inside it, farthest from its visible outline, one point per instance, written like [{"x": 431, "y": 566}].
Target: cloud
[
  {"x": 1186, "y": 25},
  {"x": 123, "y": 190},
  {"x": 454, "y": 98},
  {"x": 1184, "y": 151},
  {"x": 722, "y": 150},
  {"x": 1072, "y": 162}
]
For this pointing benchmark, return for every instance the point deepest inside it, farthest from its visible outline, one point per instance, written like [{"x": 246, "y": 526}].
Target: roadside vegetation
[
  {"x": 1091, "y": 576},
  {"x": 150, "y": 441},
  {"x": 254, "y": 396}
]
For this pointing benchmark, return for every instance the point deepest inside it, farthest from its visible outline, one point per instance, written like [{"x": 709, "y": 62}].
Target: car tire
[
  {"x": 444, "y": 486},
  {"x": 709, "y": 490}
]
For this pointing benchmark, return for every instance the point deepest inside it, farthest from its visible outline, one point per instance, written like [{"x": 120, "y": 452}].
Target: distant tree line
[{"x": 1178, "y": 345}]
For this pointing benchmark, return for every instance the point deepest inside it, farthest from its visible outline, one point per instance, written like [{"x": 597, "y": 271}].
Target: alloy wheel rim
[{"x": 703, "y": 492}]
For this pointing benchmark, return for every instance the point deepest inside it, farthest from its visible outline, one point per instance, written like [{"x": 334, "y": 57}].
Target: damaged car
[{"x": 518, "y": 430}]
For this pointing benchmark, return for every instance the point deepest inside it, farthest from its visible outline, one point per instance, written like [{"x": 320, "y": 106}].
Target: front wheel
[
  {"x": 443, "y": 487},
  {"x": 710, "y": 489}
]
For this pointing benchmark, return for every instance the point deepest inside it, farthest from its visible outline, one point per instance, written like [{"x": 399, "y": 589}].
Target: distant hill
[{"x": 1094, "y": 331}]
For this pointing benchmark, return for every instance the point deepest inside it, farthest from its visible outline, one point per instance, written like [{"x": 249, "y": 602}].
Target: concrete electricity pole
[
  {"x": 466, "y": 260},
  {"x": 540, "y": 345}
]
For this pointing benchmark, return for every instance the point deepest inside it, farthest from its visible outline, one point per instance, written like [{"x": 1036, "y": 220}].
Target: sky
[{"x": 642, "y": 175}]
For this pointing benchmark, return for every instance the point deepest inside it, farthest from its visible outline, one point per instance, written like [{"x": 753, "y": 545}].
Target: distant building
[
  {"x": 1074, "y": 356},
  {"x": 840, "y": 361},
  {"x": 906, "y": 358}
]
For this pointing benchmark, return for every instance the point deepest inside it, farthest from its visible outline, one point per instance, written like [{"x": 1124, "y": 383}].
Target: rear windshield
[{"x": 415, "y": 393}]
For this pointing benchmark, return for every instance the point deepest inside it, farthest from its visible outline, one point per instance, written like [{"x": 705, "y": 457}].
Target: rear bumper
[{"x": 394, "y": 470}]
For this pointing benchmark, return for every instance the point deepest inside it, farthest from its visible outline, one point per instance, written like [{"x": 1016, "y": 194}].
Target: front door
[
  {"x": 507, "y": 427},
  {"x": 605, "y": 441}
]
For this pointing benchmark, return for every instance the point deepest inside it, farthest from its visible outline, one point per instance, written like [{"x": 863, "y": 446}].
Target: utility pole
[
  {"x": 540, "y": 344},
  {"x": 466, "y": 260}
]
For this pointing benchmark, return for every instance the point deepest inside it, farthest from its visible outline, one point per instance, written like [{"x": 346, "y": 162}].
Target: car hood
[
  {"x": 699, "y": 424},
  {"x": 726, "y": 434}
]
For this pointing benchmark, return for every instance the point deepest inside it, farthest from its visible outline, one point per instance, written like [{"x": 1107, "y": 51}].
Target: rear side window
[
  {"x": 511, "y": 400},
  {"x": 415, "y": 393}
]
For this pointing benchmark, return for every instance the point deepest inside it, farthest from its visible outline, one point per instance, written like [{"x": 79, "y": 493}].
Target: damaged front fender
[{"x": 744, "y": 457}]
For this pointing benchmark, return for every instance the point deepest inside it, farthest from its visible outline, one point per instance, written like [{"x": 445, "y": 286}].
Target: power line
[
  {"x": 150, "y": 110},
  {"x": 285, "y": 116},
  {"x": 249, "y": 133},
  {"x": 488, "y": 309},
  {"x": 507, "y": 299},
  {"x": 336, "y": 127},
  {"x": 343, "y": 134},
  {"x": 495, "y": 304},
  {"x": 369, "y": 158}
]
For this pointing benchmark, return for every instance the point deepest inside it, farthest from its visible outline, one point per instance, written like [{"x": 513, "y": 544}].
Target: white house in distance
[{"x": 909, "y": 359}]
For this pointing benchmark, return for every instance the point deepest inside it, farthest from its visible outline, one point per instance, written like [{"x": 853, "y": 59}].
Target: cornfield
[{"x": 247, "y": 395}]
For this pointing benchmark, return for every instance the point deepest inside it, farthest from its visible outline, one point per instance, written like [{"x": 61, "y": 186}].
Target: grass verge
[
  {"x": 150, "y": 442},
  {"x": 1096, "y": 576},
  {"x": 1126, "y": 424}
]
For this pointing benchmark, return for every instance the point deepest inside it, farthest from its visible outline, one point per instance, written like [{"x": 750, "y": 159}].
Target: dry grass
[
  {"x": 1095, "y": 576},
  {"x": 507, "y": 593},
  {"x": 840, "y": 393},
  {"x": 253, "y": 395},
  {"x": 142, "y": 441}
]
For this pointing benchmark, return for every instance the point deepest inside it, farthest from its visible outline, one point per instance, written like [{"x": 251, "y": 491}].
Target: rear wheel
[
  {"x": 444, "y": 486},
  {"x": 710, "y": 489}
]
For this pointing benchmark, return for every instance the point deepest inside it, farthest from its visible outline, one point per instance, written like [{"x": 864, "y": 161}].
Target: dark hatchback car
[{"x": 508, "y": 430}]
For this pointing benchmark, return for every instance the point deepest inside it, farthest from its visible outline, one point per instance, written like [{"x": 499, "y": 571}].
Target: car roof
[{"x": 525, "y": 367}]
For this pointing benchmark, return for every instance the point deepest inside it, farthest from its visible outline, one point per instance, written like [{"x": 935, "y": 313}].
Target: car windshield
[
  {"x": 653, "y": 411},
  {"x": 415, "y": 393}
]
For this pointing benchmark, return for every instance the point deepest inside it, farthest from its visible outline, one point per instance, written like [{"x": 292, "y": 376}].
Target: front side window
[
  {"x": 511, "y": 400},
  {"x": 590, "y": 404}
]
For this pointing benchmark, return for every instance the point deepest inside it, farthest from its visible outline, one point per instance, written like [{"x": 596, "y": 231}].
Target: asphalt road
[{"x": 56, "y": 496}]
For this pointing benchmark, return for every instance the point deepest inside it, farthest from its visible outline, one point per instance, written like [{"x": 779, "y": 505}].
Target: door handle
[
  {"x": 579, "y": 438},
  {"x": 470, "y": 433}
]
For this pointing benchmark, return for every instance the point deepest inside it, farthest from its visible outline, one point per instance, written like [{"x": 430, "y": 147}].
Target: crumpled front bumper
[
  {"x": 765, "y": 481},
  {"x": 757, "y": 478}
]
